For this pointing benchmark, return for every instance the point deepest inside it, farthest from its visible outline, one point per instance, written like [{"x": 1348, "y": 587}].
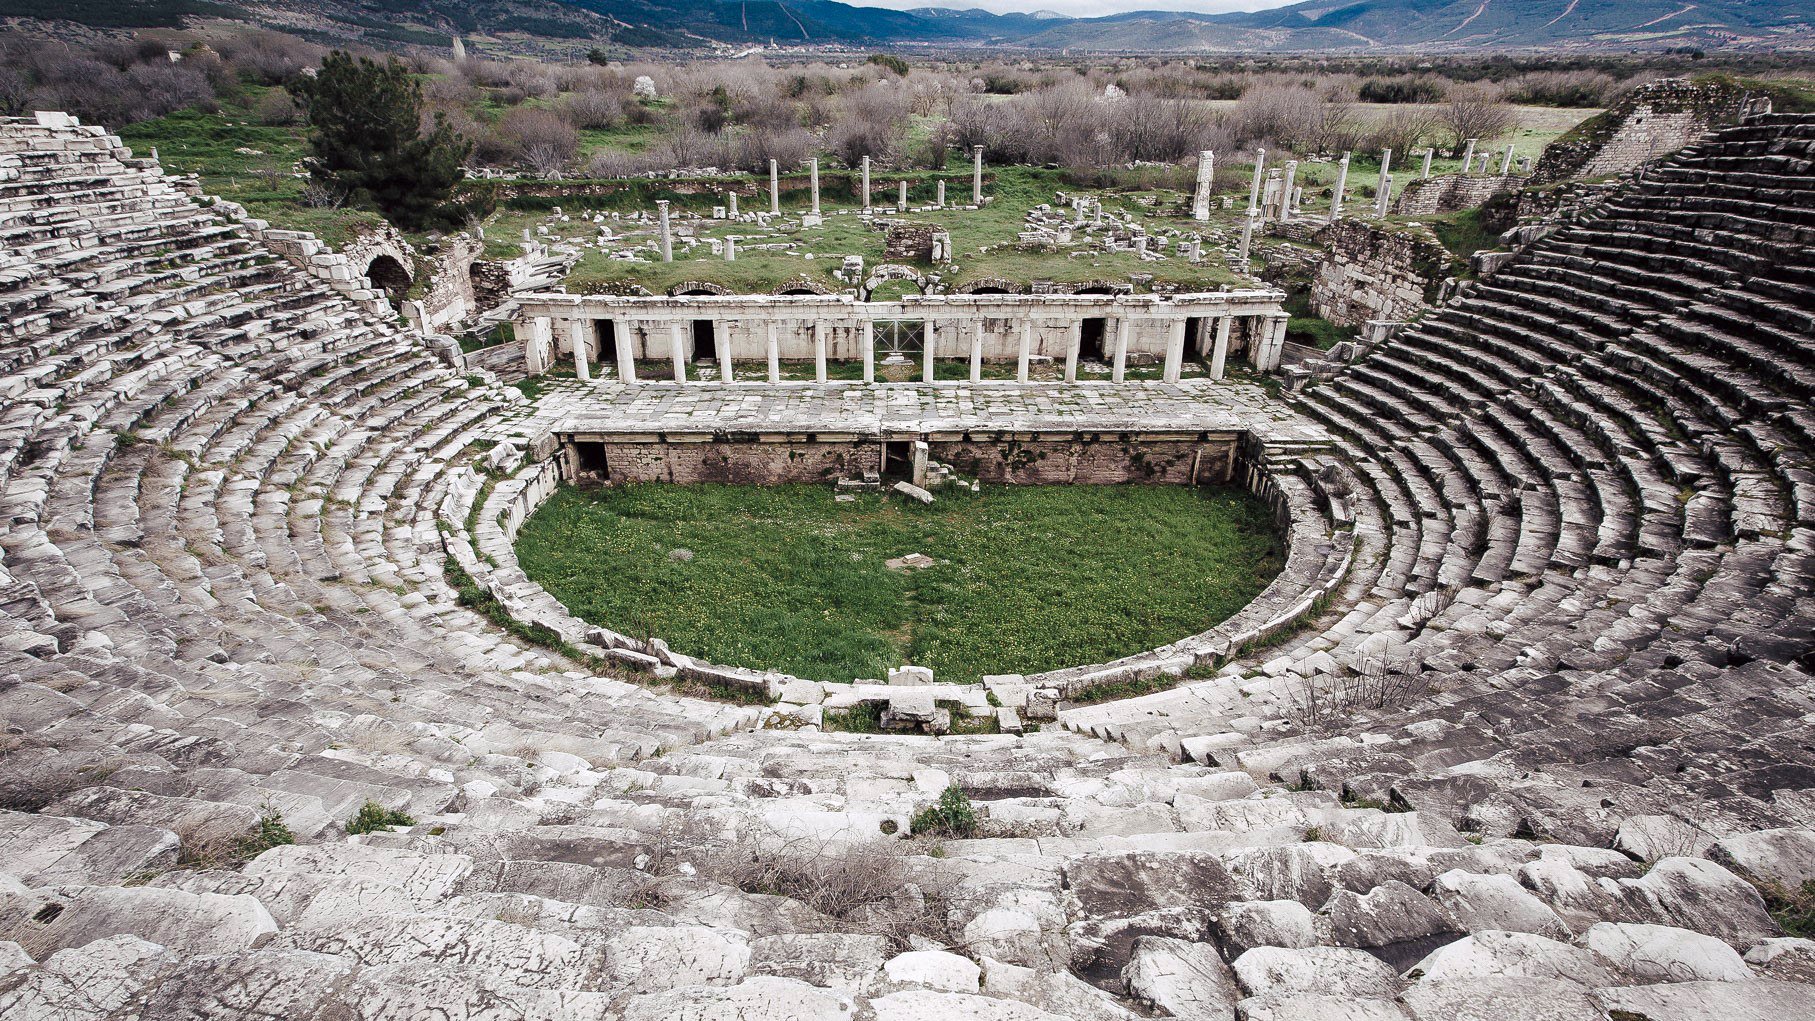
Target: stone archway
[
  {"x": 988, "y": 285},
  {"x": 695, "y": 288},
  {"x": 802, "y": 286},
  {"x": 893, "y": 271},
  {"x": 390, "y": 276}
]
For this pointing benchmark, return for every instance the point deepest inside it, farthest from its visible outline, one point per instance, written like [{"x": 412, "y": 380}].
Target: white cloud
[{"x": 1082, "y": 8}]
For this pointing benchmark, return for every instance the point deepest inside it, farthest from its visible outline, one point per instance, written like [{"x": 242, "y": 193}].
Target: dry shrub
[{"x": 869, "y": 884}]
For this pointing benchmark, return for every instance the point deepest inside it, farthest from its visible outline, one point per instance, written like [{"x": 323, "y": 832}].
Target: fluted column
[
  {"x": 627, "y": 363},
  {"x": 1027, "y": 345},
  {"x": 1219, "y": 355},
  {"x": 1175, "y": 350},
  {"x": 576, "y": 332}
]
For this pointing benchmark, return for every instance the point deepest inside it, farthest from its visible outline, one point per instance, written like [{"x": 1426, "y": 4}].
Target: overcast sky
[{"x": 1082, "y": 8}]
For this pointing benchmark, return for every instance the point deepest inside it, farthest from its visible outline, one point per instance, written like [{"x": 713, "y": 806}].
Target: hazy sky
[{"x": 1082, "y": 8}]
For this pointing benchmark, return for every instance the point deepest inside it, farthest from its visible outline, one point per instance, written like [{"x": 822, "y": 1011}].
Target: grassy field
[{"x": 785, "y": 578}]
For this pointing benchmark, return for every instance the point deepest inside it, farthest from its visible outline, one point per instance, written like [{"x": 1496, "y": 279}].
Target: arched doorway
[{"x": 389, "y": 276}]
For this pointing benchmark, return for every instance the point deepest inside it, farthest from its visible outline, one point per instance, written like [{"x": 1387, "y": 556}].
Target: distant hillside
[{"x": 1316, "y": 25}]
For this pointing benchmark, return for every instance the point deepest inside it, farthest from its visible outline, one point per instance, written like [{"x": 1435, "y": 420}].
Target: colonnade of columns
[{"x": 1265, "y": 331}]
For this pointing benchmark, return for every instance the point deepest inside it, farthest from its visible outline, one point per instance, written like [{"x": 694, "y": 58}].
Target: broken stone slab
[
  {"x": 1244, "y": 925},
  {"x": 72, "y": 916},
  {"x": 910, "y": 675},
  {"x": 1057, "y": 992},
  {"x": 486, "y": 950},
  {"x": 83, "y": 982},
  {"x": 1698, "y": 895},
  {"x": 1762, "y": 998},
  {"x": 1512, "y": 955},
  {"x": 1784, "y": 856},
  {"x": 913, "y": 492},
  {"x": 1318, "y": 1007},
  {"x": 760, "y": 996},
  {"x": 833, "y": 960},
  {"x": 1480, "y": 902},
  {"x": 425, "y": 878},
  {"x": 1392, "y": 921},
  {"x": 932, "y": 1005},
  {"x": 1187, "y": 980},
  {"x": 1788, "y": 958},
  {"x": 935, "y": 969},
  {"x": 113, "y": 855},
  {"x": 1663, "y": 953},
  {"x": 1269, "y": 972},
  {"x": 199, "y": 823},
  {"x": 1501, "y": 999},
  {"x": 644, "y": 959}
]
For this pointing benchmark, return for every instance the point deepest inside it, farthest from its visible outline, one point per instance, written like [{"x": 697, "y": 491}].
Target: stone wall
[
  {"x": 1650, "y": 123},
  {"x": 1087, "y": 459},
  {"x": 1377, "y": 272},
  {"x": 449, "y": 296},
  {"x": 1446, "y": 193},
  {"x": 1091, "y": 460},
  {"x": 738, "y": 462}
]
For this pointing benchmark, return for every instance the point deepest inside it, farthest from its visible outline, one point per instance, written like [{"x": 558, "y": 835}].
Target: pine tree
[{"x": 367, "y": 140}]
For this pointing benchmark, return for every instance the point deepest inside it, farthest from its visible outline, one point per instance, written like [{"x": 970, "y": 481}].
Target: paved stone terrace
[{"x": 919, "y": 407}]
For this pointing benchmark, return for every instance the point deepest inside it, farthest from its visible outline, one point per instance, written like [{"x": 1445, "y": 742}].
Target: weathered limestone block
[
  {"x": 1495, "y": 902},
  {"x": 1512, "y": 955},
  {"x": 1711, "y": 1001},
  {"x": 1782, "y": 856},
  {"x": 1187, "y": 980},
  {"x": 1270, "y": 972},
  {"x": 928, "y": 1005},
  {"x": 935, "y": 969},
  {"x": 1501, "y": 999},
  {"x": 1663, "y": 953},
  {"x": 759, "y": 998},
  {"x": 73, "y": 916},
  {"x": 84, "y": 982},
  {"x": 1244, "y": 925},
  {"x": 1697, "y": 895},
  {"x": 1788, "y": 958},
  {"x": 645, "y": 959},
  {"x": 1058, "y": 992},
  {"x": 831, "y": 960},
  {"x": 1373, "y": 271}
]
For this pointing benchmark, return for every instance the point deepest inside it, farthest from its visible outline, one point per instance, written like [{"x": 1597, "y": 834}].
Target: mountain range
[{"x": 1311, "y": 26}]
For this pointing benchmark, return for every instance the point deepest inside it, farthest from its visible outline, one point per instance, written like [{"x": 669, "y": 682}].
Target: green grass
[{"x": 785, "y": 578}]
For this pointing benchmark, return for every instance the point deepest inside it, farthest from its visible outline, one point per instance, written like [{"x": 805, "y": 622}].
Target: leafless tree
[{"x": 1476, "y": 112}]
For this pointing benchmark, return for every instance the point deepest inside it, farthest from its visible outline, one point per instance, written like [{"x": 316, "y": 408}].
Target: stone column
[
  {"x": 675, "y": 339},
  {"x": 774, "y": 189},
  {"x": 1120, "y": 368},
  {"x": 865, "y": 164},
  {"x": 730, "y": 249},
  {"x": 1385, "y": 185},
  {"x": 731, "y": 204},
  {"x": 926, "y": 354},
  {"x": 1027, "y": 347},
  {"x": 1506, "y": 164},
  {"x": 819, "y": 350},
  {"x": 1468, "y": 157},
  {"x": 1071, "y": 350},
  {"x": 813, "y": 169},
  {"x": 901, "y": 197},
  {"x": 1342, "y": 182},
  {"x": 774, "y": 354},
  {"x": 939, "y": 193},
  {"x": 1247, "y": 237},
  {"x": 576, "y": 332},
  {"x": 1260, "y": 164},
  {"x": 726, "y": 374},
  {"x": 1175, "y": 350},
  {"x": 626, "y": 350},
  {"x": 1206, "y": 173},
  {"x": 1219, "y": 355},
  {"x": 538, "y": 336},
  {"x": 661, "y": 208},
  {"x": 976, "y": 175},
  {"x": 1285, "y": 198},
  {"x": 1427, "y": 160},
  {"x": 976, "y": 350},
  {"x": 868, "y": 340}
]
